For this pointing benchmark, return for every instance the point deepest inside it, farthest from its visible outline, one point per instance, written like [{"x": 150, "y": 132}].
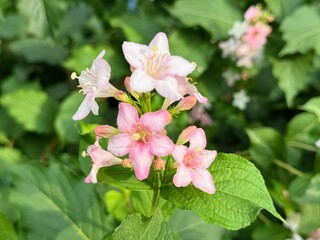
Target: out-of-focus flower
[
  {"x": 193, "y": 163},
  {"x": 256, "y": 35},
  {"x": 198, "y": 113},
  {"x": 154, "y": 67},
  {"x": 315, "y": 235},
  {"x": 253, "y": 14},
  {"x": 100, "y": 158},
  {"x": 317, "y": 143},
  {"x": 240, "y": 99},
  {"x": 229, "y": 47},
  {"x": 292, "y": 223},
  {"x": 238, "y": 29},
  {"x": 95, "y": 84},
  {"x": 142, "y": 138},
  {"x": 231, "y": 77}
]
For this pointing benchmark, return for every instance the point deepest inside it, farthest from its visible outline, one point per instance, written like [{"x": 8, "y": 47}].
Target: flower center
[
  {"x": 87, "y": 80},
  {"x": 141, "y": 134},
  {"x": 155, "y": 63},
  {"x": 191, "y": 161}
]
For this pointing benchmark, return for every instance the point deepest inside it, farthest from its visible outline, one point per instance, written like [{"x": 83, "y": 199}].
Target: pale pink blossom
[
  {"x": 193, "y": 162},
  {"x": 229, "y": 47},
  {"x": 95, "y": 84},
  {"x": 154, "y": 67},
  {"x": 256, "y": 35},
  {"x": 198, "y": 114},
  {"x": 238, "y": 29},
  {"x": 240, "y": 99},
  {"x": 100, "y": 158},
  {"x": 253, "y": 14},
  {"x": 142, "y": 138}
]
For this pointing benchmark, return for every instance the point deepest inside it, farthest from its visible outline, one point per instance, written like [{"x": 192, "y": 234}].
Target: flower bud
[
  {"x": 186, "y": 103},
  {"x": 159, "y": 164},
  {"x": 126, "y": 163},
  {"x": 185, "y": 135},
  {"x": 105, "y": 131},
  {"x": 127, "y": 85},
  {"x": 122, "y": 96}
]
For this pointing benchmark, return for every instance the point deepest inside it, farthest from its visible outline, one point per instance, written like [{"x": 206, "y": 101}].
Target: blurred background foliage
[{"x": 42, "y": 189}]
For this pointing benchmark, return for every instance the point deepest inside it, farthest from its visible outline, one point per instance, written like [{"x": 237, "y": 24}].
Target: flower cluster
[
  {"x": 140, "y": 140},
  {"x": 248, "y": 37},
  {"x": 245, "y": 47}
]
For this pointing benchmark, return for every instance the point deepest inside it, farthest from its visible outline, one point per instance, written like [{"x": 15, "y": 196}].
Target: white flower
[
  {"x": 317, "y": 143},
  {"x": 229, "y": 47},
  {"x": 238, "y": 29},
  {"x": 240, "y": 99}
]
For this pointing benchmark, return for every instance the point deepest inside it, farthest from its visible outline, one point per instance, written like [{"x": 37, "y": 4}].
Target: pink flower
[
  {"x": 94, "y": 83},
  {"x": 142, "y": 138},
  {"x": 101, "y": 158},
  {"x": 154, "y": 67},
  {"x": 193, "y": 163},
  {"x": 252, "y": 14},
  {"x": 256, "y": 36}
]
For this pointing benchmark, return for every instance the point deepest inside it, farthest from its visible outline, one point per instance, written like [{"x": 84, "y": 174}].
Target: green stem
[
  {"x": 156, "y": 193},
  {"x": 303, "y": 146},
  {"x": 288, "y": 167}
]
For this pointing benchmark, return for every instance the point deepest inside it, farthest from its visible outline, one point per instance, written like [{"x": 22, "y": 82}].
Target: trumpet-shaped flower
[
  {"x": 142, "y": 138},
  {"x": 94, "y": 83},
  {"x": 193, "y": 163},
  {"x": 100, "y": 158},
  {"x": 154, "y": 67}
]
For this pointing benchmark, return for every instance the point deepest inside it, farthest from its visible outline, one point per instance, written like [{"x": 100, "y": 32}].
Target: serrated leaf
[
  {"x": 293, "y": 75},
  {"x": 33, "y": 109},
  {"x": 312, "y": 106},
  {"x": 57, "y": 206},
  {"x": 199, "y": 51},
  {"x": 189, "y": 226},
  {"x": 217, "y": 17},
  {"x": 240, "y": 194},
  {"x": 282, "y": 8},
  {"x": 266, "y": 145},
  {"x": 6, "y": 228},
  {"x": 63, "y": 123},
  {"x": 122, "y": 177},
  {"x": 135, "y": 226},
  {"x": 38, "y": 50},
  {"x": 302, "y": 36}
]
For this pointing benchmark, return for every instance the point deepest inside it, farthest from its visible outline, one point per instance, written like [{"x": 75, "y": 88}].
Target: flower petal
[
  {"x": 127, "y": 117},
  {"x": 197, "y": 140},
  {"x": 179, "y": 152},
  {"x": 183, "y": 177},
  {"x": 207, "y": 157},
  {"x": 141, "y": 159},
  {"x": 88, "y": 104},
  {"x": 168, "y": 88},
  {"x": 185, "y": 135},
  {"x": 120, "y": 144},
  {"x": 156, "y": 121},
  {"x": 134, "y": 53},
  {"x": 161, "y": 145},
  {"x": 160, "y": 44},
  {"x": 179, "y": 66},
  {"x": 92, "y": 177},
  {"x": 103, "y": 72},
  {"x": 101, "y": 157},
  {"x": 141, "y": 82},
  {"x": 202, "y": 179}
]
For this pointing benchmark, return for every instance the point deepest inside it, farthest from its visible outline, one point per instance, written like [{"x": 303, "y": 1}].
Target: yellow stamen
[
  {"x": 155, "y": 48},
  {"x": 136, "y": 136},
  {"x": 73, "y": 76}
]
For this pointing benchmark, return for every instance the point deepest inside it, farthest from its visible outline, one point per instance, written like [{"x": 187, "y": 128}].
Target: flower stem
[
  {"x": 156, "y": 193},
  {"x": 303, "y": 146},
  {"x": 288, "y": 167}
]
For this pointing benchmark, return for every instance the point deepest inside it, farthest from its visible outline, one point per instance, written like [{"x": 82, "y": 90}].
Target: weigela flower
[
  {"x": 240, "y": 99},
  {"x": 193, "y": 162},
  {"x": 154, "y": 68},
  {"x": 253, "y": 14},
  {"x": 142, "y": 138},
  {"x": 256, "y": 35},
  {"x": 95, "y": 84},
  {"x": 238, "y": 29},
  {"x": 100, "y": 158}
]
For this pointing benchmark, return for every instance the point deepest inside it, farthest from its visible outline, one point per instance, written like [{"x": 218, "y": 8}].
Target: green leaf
[
  {"x": 271, "y": 231},
  {"x": 282, "y": 8},
  {"x": 117, "y": 203},
  {"x": 41, "y": 15},
  {"x": 293, "y": 75},
  {"x": 310, "y": 218},
  {"x": 33, "y": 109},
  {"x": 63, "y": 123},
  {"x": 240, "y": 194},
  {"x": 6, "y": 228},
  {"x": 301, "y": 127},
  {"x": 189, "y": 226},
  {"x": 55, "y": 205},
  {"x": 266, "y": 145},
  {"x": 312, "y": 106},
  {"x": 11, "y": 27},
  {"x": 38, "y": 50},
  {"x": 217, "y": 17},
  {"x": 122, "y": 177},
  {"x": 306, "y": 189},
  {"x": 8, "y": 158},
  {"x": 199, "y": 51},
  {"x": 302, "y": 36},
  {"x": 140, "y": 27},
  {"x": 135, "y": 226}
]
